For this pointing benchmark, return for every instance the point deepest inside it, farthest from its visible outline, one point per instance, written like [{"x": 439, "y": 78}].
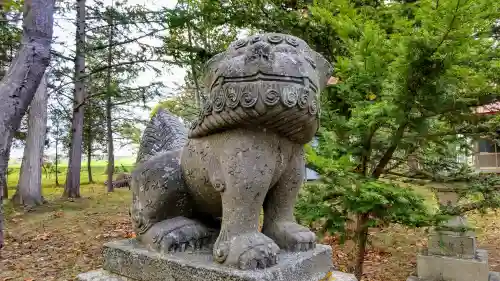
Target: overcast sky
[{"x": 64, "y": 29}]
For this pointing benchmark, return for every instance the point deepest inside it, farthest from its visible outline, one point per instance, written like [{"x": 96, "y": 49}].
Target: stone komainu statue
[
  {"x": 243, "y": 153},
  {"x": 122, "y": 180}
]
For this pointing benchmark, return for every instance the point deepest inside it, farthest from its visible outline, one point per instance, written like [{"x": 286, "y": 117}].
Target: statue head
[
  {"x": 260, "y": 73},
  {"x": 269, "y": 57}
]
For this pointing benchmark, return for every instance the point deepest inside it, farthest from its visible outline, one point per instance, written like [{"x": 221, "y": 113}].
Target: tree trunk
[
  {"x": 89, "y": 147},
  {"x": 57, "y": 154},
  {"x": 362, "y": 238},
  {"x": 199, "y": 103},
  {"x": 29, "y": 189},
  {"x": 72, "y": 188},
  {"x": 5, "y": 190},
  {"x": 109, "y": 105},
  {"x": 89, "y": 162},
  {"x": 111, "y": 156},
  {"x": 19, "y": 85}
]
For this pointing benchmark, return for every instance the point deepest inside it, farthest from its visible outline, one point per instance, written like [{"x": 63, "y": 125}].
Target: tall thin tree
[
  {"x": 72, "y": 187},
  {"x": 109, "y": 103},
  {"x": 19, "y": 85},
  {"x": 29, "y": 190}
]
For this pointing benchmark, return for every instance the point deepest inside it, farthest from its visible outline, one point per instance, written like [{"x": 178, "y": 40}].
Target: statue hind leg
[
  {"x": 162, "y": 208},
  {"x": 279, "y": 221}
]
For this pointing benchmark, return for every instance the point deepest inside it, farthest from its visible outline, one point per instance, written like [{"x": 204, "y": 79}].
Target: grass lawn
[
  {"x": 63, "y": 238},
  {"x": 94, "y": 163}
]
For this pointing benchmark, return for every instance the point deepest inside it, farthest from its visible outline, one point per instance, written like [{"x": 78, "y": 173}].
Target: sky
[{"x": 64, "y": 30}]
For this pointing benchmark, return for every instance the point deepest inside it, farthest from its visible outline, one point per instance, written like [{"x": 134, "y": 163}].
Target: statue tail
[{"x": 165, "y": 132}]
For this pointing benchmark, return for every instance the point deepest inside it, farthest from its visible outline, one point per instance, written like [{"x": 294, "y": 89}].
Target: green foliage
[
  {"x": 410, "y": 76},
  {"x": 10, "y": 33},
  {"x": 182, "y": 105},
  {"x": 193, "y": 38},
  {"x": 344, "y": 193}
]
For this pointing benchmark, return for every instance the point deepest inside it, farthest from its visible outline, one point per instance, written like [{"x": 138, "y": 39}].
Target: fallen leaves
[
  {"x": 58, "y": 241},
  {"x": 66, "y": 238}
]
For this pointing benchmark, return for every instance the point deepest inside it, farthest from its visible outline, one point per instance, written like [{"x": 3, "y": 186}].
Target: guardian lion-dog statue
[{"x": 244, "y": 152}]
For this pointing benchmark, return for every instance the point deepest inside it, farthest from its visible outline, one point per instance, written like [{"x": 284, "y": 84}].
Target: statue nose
[{"x": 259, "y": 51}]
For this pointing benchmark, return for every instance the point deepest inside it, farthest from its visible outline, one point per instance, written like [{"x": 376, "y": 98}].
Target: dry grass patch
[{"x": 59, "y": 240}]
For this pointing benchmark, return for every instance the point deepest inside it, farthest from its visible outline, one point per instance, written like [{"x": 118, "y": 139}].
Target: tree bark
[
  {"x": 89, "y": 147},
  {"x": 57, "y": 154},
  {"x": 29, "y": 189},
  {"x": 19, "y": 85},
  {"x": 5, "y": 190},
  {"x": 193, "y": 72},
  {"x": 89, "y": 160},
  {"x": 111, "y": 156},
  {"x": 362, "y": 238},
  {"x": 109, "y": 105},
  {"x": 72, "y": 188}
]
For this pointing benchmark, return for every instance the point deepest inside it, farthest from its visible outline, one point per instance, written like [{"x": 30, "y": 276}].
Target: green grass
[
  {"x": 49, "y": 181},
  {"x": 64, "y": 237},
  {"x": 60, "y": 239},
  {"x": 94, "y": 163}
]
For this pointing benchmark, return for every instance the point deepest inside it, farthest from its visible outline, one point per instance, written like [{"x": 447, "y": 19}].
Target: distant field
[{"x": 95, "y": 163}]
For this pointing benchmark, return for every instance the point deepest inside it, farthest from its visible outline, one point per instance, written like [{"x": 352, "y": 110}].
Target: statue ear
[
  {"x": 209, "y": 67},
  {"x": 325, "y": 70},
  {"x": 215, "y": 59}
]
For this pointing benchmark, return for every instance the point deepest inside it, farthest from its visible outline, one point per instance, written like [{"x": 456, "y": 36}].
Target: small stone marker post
[{"x": 452, "y": 254}]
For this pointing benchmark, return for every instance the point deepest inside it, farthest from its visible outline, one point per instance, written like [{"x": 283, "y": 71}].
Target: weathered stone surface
[
  {"x": 451, "y": 253},
  {"x": 104, "y": 275},
  {"x": 452, "y": 244},
  {"x": 101, "y": 275},
  {"x": 271, "y": 80},
  {"x": 129, "y": 258},
  {"x": 494, "y": 276},
  {"x": 414, "y": 278},
  {"x": 341, "y": 276},
  {"x": 453, "y": 269},
  {"x": 244, "y": 152}
]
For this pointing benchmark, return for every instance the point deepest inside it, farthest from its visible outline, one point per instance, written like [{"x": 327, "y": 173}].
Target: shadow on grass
[
  {"x": 52, "y": 205},
  {"x": 93, "y": 197}
]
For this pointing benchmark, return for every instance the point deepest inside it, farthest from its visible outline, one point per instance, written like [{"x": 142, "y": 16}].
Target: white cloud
[{"x": 64, "y": 30}]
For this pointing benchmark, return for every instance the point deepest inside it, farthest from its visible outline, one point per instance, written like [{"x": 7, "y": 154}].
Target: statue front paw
[
  {"x": 247, "y": 251},
  {"x": 291, "y": 236},
  {"x": 177, "y": 235}
]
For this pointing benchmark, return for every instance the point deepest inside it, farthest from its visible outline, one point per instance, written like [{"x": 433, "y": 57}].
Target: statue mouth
[{"x": 304, "y": 81}]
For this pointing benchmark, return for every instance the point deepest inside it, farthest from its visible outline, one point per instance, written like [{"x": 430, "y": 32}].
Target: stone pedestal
[
  {"x": 453, "y": 243},
  {"x": 452, "y": 254},
  {"x": 433, "y": 267},
  {"x": 126, "y": 260}
]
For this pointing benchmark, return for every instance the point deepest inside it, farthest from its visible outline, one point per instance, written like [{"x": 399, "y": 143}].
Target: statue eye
[
  {"x": 275, "y": 39},
  {"x": 292, "y": 41},
  {"x": 311, "y": 61},
  {"x": 240, "y": 43},
  {"x": 256, "y": 39}
]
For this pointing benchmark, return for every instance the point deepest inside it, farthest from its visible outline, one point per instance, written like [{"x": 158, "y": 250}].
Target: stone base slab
[
  {"x": 453, "y": 269},
  {"x": 493, "y": 276},
  {"x": 101, "y": 275},
  {"x": 127, "y": 260},
  {"x": 104, "y": 275}
]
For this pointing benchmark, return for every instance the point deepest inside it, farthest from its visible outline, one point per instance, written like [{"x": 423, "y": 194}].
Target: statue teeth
[{"x": 306, "y": 82}]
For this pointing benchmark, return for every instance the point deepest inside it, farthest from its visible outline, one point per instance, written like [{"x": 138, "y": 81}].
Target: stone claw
[
  {"x": 248, "y": 251},
  {"x": 178, "y": 235},
  {"x": 291, "y": 236}
]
